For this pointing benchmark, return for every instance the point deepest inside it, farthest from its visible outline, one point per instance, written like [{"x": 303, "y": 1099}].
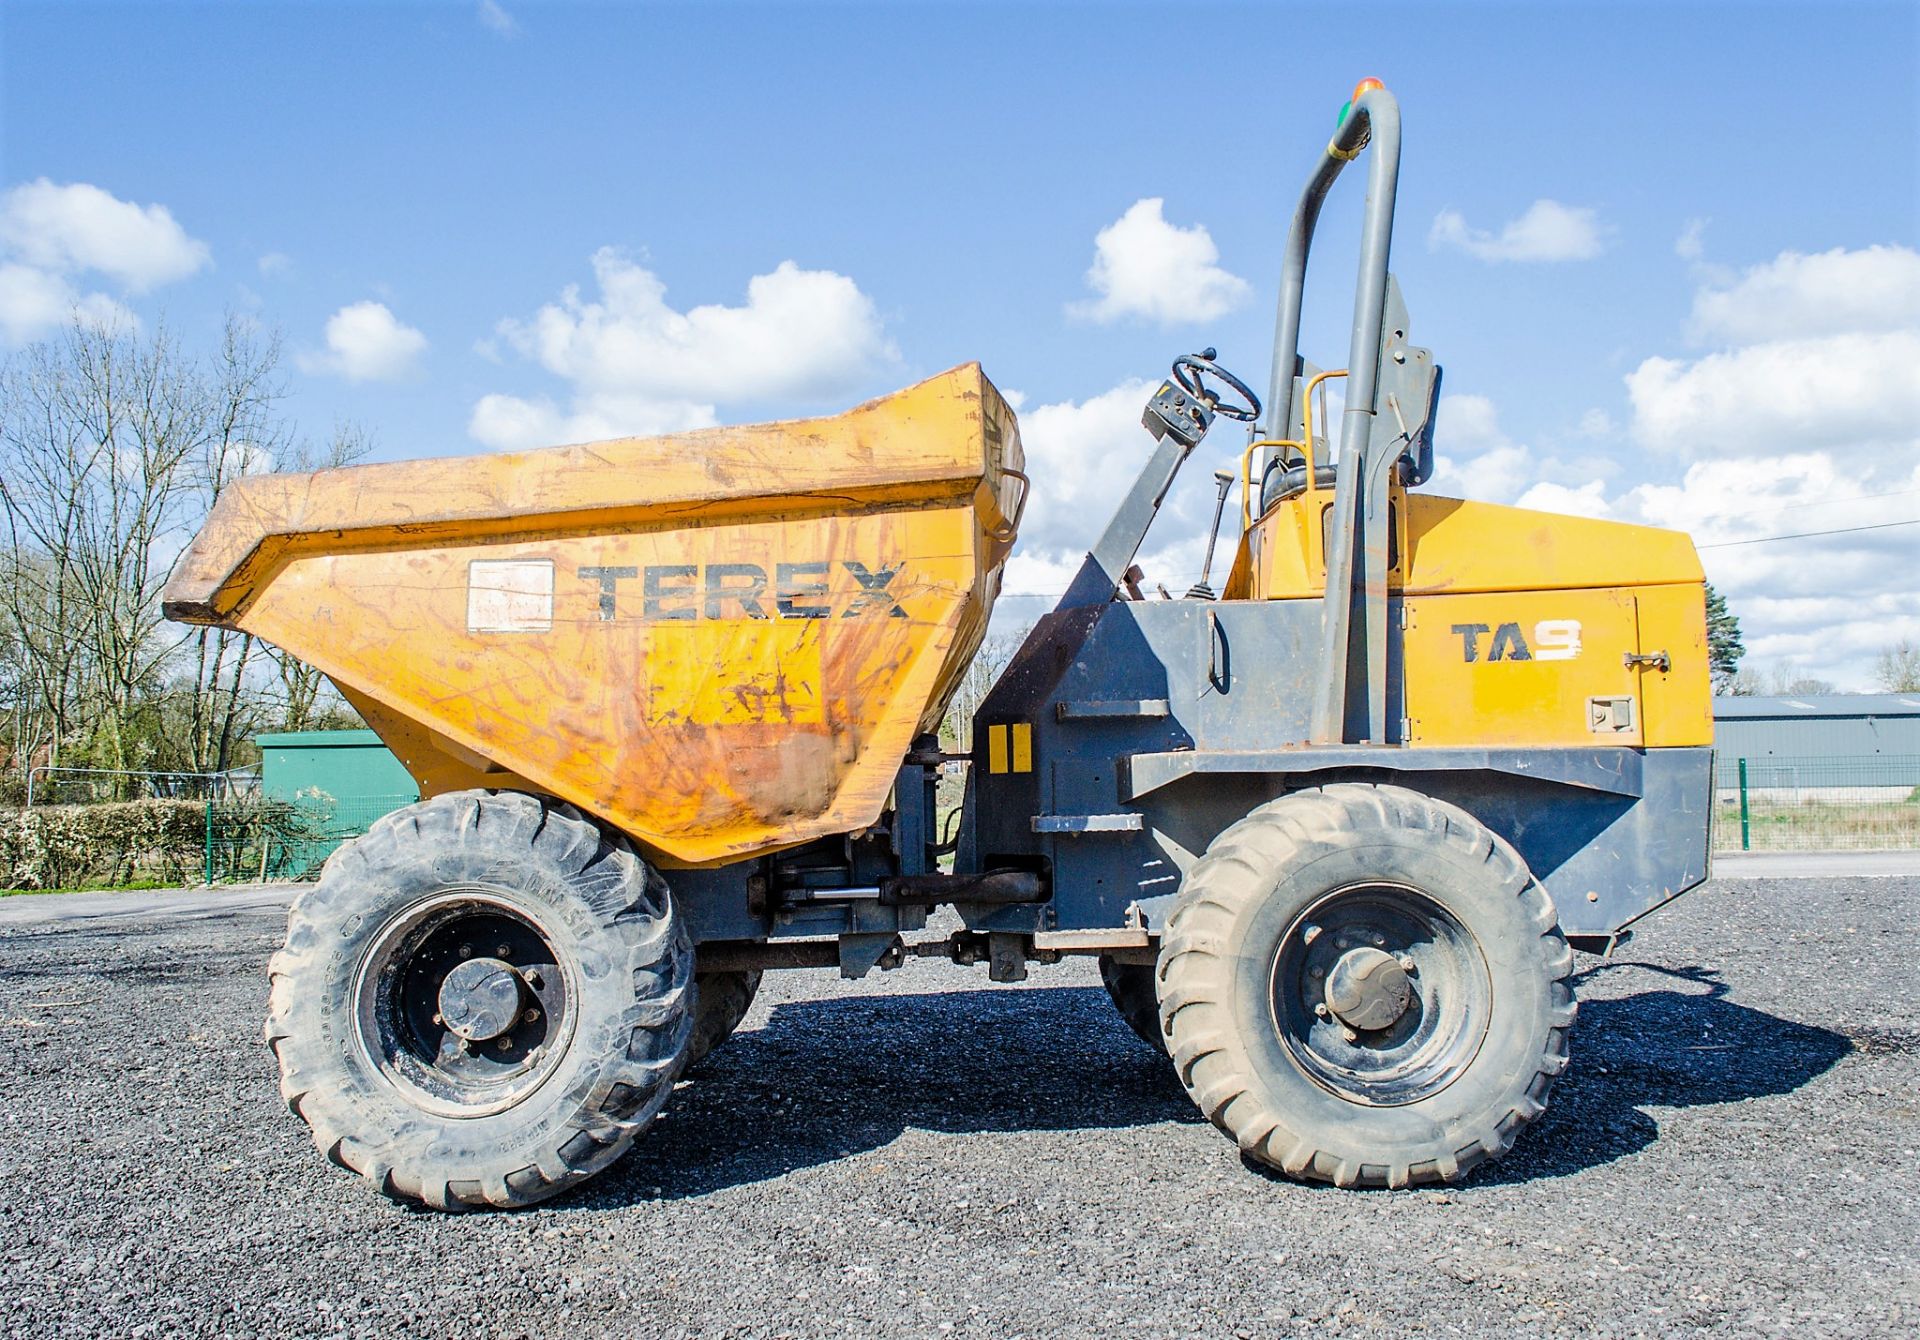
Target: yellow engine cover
[{"x": 1521, "y": 628}]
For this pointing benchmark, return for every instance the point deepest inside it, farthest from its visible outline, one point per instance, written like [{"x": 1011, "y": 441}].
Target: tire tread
[
  {"x": 630, "y": 900},
  {"x": 1194, "y": 973}
]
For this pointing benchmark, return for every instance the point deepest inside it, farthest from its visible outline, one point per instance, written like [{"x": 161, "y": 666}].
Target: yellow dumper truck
[{"x": 673, "y": 704}]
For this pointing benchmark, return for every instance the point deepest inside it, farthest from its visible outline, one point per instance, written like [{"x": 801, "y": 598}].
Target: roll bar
[
  {"x": 1373, "y": 117},
  {"x": 1350, "y": 691}
]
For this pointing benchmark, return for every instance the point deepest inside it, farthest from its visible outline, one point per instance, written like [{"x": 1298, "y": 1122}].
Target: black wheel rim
[
  {"x": 1380, "y": 994},
  {"x": 463, "y": 1004}
]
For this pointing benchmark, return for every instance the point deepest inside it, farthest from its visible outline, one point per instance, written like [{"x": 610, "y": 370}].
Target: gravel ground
[{"x": 1734, "y": 1150}]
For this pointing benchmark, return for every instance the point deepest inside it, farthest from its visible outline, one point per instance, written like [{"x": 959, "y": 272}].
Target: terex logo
[
  {"x": 742, "y": 591},
  {"x": 1553, "y": 640}
]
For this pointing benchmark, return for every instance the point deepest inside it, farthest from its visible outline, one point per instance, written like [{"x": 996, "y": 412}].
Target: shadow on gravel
[
  {"x": 828, "y": 1078},
  {"x": 1663, "y": 1048}
]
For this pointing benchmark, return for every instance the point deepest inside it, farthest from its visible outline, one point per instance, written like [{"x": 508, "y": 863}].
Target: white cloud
[
  {"x": 1588, "y": 499},
  {"x": 65, "y": 229},
  {"x": 274, "y": 264},
  {"x": 1597, "y": 423},
  {"x": 497, "y": 20},
  {"x": 635, "y": 365},
  {"x": 1848, "y": 390},
  {"x": 1823, "y": 604},
  {"x": 33, "y": 302},
  {"x": 1547, "y": 231},
  {"x": 1480, "y": 460},
  {"x": 1691, "y": 244},
  {"x": 1144, "y": 266},
  {"x": 1818, "y": 353},
  {"x": 367, "y": 343},
  {"x": 51, "y": 235},
  {"x": 1795, "y": 296},
  {"x": 1075, "y": 451},
  {"x": 1473, "y": 423}
]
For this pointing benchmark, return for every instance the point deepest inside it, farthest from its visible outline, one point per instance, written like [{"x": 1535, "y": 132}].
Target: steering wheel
[{"x": 1190, "y": 369}]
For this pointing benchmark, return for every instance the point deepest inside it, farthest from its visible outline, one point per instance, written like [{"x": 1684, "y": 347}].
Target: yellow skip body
[{"x": 722, "y": 642}]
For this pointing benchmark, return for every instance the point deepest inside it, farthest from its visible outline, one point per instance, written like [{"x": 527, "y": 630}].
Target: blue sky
[{"x": 1729, "y": 203}]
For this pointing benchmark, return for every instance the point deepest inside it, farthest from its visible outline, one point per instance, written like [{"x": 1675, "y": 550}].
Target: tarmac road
[{"x": 1734, "y": 1151}]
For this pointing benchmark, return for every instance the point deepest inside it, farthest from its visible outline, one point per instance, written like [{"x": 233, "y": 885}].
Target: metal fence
[
  {"x": 285, "y": 839},
  {"x": 50, "y": 784},
  {"x": 1846, "y": 803}
]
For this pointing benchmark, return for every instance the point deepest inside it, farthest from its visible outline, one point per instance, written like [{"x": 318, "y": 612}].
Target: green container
[
  {"x": 338, "y": 781},
  {"x": 344, "y": 764}
]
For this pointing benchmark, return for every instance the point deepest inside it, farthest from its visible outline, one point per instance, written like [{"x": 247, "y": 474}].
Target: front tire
[
  {"x": 1365, "y": 986},
  {"x": 482, "y": 1002}
]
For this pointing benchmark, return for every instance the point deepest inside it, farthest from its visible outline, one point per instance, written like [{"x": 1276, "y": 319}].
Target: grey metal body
[{"x": 1158, "y": 724}]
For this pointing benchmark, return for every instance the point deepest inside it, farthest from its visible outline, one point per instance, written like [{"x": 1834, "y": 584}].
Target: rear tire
[
  {"x": 1365, "y": 986},
  {"x": 1131, "y": 987},
  {"x": 483, "y": 1001},
  {"x": 721, "y": 1001}
]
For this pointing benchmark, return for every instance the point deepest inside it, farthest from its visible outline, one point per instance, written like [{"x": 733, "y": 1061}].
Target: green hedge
[
  {"x": 167, "y": 841},
  {"x": 68, "y": 846}
]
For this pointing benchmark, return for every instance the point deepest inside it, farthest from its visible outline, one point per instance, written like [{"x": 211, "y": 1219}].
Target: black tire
[
  {"x": 721, "y": 1001},
  {"x": 510, "y": 889},
  {"x": 1131, "y": 987},
  {"x": 1323, "y": 1095}
]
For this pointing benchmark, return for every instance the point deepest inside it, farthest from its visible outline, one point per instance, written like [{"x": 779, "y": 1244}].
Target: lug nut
[
  {"x": 1349, "y": 1035},
  {"x": 532, "y": 976},
  {"x": 1316, "y": 973},
  {"x": 466, "y": 951},
  {"x": 501, "y": 951},
  {"x": 531, "y": 1017},
  {"x": 1321, "y": 1009},
  {"x": 438, "y": 1022},
  {"x": 1406, "y": 962}
]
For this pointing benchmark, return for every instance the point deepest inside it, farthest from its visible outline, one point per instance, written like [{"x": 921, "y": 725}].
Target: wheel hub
[
  {"x": 1368, "y": 989},
  {"x": 1380, "y": 993},
  {"x": 480, "y": 998}
]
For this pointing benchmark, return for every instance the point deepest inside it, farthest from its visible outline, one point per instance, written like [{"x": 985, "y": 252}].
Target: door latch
[{"x": 1652, "y": 660}]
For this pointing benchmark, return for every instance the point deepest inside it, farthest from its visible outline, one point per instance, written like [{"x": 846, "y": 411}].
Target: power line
[{"x": 1810, "y": 534}]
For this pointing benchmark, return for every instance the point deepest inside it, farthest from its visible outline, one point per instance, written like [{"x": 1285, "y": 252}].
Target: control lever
[{"x": 1200, "y": 590}]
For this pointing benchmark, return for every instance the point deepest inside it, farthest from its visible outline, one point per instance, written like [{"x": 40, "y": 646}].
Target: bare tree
[
  {"x": 1898, "y": 669},
  {"x": 246, "y": 435},
  {"x": 46, "y": 457},
  {"x": 1776, "y": 682},
  {"x": 113, "y": 445}
]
